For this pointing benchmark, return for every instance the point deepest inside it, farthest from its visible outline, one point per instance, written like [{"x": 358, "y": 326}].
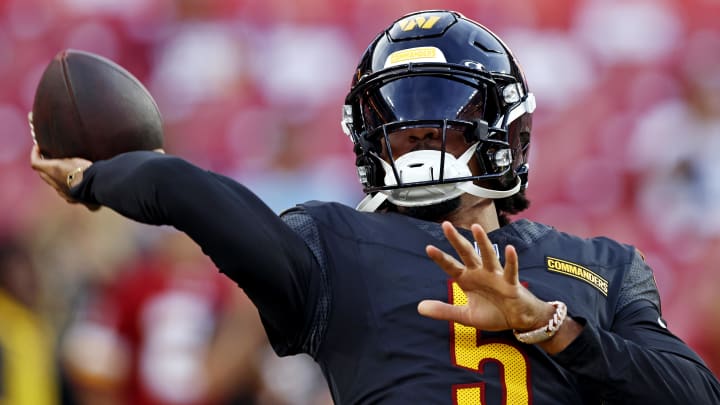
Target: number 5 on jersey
[{"x": 470, "y": 352}]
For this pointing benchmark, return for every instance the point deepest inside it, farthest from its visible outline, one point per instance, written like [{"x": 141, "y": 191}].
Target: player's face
[{"x": 412, "y": 139}]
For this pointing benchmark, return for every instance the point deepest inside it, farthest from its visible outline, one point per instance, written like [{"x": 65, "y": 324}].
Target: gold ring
[{"x": 73, "y": 175}]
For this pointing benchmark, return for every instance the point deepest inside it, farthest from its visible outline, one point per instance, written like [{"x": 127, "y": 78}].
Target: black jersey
[{"x": 343, "y": 286}]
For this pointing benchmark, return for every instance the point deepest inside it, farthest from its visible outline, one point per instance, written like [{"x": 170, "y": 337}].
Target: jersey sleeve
[
  {"x": 638, "y": 360},
  {"x": 245, "y": 239}
]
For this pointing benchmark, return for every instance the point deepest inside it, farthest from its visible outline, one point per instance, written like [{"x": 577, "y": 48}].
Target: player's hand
[
  {"x": 496, "y": 299},
  {"x": 61, "y": 174}
]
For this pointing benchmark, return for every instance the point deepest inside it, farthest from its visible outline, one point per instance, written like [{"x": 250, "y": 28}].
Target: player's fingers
[
  {"x": 62, "y": 192},
  {"x": 59, "y": 188},
  {"x": 49, "y": 180},
  {"x": 462, "y": 246},
  {"x": 55, "y": 167},
  {"x": 49, "y": 167},
  {"x": 511, "y": 265},
  {"x": 449, "y": 264},
  {"x": 485, "y": 247},
  {"x": 36, "y": 159}
]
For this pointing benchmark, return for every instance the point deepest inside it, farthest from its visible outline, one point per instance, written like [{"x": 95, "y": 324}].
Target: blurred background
[{"x": 105, "y": 311}]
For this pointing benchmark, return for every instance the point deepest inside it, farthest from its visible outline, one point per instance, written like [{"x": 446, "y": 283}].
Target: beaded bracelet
[{"x": 546, "y": 332}]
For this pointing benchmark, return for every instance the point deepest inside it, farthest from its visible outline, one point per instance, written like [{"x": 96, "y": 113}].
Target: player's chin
[{"x": 436, "y": 212}]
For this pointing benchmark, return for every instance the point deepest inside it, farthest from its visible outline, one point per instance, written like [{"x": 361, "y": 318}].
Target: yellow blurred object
[{"x": 27, "y": 367}]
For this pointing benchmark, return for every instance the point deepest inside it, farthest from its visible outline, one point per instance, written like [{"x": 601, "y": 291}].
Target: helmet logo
[
  {"x": 422, "y": 25},
  {"x": 418, "y": 22}
]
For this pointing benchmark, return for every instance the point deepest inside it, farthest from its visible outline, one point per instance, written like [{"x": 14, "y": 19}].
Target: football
[{"x": 90, "y": 107}]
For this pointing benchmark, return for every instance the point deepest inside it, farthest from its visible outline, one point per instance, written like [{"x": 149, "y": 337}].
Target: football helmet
[{"x": 438, "y": 75}]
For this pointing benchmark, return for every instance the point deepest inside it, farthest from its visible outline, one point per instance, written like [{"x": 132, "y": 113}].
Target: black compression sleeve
[
  {"x": 639, "y": 362},
  {"x": 244, "y": 238}
]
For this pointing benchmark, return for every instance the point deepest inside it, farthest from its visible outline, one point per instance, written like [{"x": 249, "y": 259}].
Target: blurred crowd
[{"x": 625, "y": 142}]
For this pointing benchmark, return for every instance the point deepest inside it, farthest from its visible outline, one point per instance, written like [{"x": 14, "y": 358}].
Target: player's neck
[{"x": 475, "y": 210}]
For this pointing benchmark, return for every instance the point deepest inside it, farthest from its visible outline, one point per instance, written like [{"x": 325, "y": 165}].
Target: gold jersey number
[{"x": 470, "y": 352}]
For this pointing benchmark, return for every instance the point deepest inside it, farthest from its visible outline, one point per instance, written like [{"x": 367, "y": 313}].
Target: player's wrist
[
  {"x": 567, "y": 333},
  {"x": 548, "y": 325},
  {"x": 74, "y": 177},
  {"x": 540, "y": 319}
]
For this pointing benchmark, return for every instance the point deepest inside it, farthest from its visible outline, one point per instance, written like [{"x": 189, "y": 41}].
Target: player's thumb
[{"x": 439, "y": 310}]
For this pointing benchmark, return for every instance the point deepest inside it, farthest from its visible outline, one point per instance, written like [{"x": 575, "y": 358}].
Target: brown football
[{"x": 90, "y": 107}]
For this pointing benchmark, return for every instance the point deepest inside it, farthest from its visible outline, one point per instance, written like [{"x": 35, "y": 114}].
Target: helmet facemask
[{"x": 385, "y": 106}]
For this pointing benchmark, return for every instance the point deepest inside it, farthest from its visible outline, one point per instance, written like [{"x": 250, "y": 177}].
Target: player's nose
[
  {"x": 423, "y": 135},
  {"x": 413, "y": 139}
]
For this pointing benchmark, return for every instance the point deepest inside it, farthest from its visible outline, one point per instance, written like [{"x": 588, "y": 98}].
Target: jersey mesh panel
[{"x": 304, "y": 226}]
